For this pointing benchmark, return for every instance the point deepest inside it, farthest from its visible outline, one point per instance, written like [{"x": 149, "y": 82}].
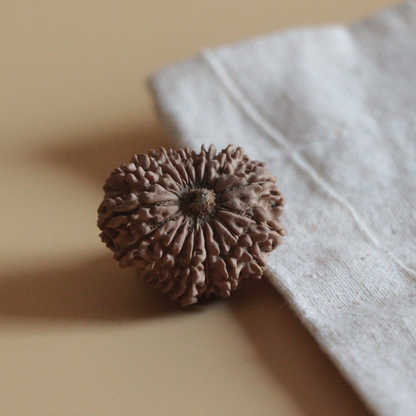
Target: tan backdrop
[{"x": 78, "y": 336}]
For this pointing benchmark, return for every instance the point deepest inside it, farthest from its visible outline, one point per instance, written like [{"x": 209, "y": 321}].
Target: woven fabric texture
[{"x": 332, "y": 110}]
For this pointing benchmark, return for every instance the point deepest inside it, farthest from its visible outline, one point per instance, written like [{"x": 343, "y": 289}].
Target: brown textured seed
[{"x": 190, "y": 223}]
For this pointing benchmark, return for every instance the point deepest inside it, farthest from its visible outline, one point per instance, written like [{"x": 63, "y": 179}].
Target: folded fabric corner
[{"x": 332, "y": 110}]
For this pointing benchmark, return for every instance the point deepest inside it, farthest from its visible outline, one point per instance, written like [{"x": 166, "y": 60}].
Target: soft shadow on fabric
[{"x": 290, "y": 353}]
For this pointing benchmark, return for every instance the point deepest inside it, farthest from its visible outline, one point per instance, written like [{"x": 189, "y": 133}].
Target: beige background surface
[{"x": 78, "y": 336}]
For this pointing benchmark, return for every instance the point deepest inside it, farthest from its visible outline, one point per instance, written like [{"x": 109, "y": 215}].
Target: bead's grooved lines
[{"x": 188, "y": 246}]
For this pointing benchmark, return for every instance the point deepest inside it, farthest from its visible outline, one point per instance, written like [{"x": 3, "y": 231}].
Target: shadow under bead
[{"x": 192, "y": 224}]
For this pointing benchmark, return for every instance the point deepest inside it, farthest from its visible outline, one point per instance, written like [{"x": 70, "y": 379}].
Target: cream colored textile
[{"x": 332, "y": 110}]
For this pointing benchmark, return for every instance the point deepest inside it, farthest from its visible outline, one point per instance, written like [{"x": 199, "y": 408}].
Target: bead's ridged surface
[{"x": 190, "y": 223}]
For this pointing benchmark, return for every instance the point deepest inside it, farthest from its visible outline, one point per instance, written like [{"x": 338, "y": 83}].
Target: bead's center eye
[{"x": 198, "y": 202}]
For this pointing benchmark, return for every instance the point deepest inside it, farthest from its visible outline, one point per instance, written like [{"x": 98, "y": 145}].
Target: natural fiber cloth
[{"x": 332, "y": 110}]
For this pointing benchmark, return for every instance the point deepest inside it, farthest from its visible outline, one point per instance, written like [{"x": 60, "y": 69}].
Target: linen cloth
[{"x": 332, "y": 110}]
